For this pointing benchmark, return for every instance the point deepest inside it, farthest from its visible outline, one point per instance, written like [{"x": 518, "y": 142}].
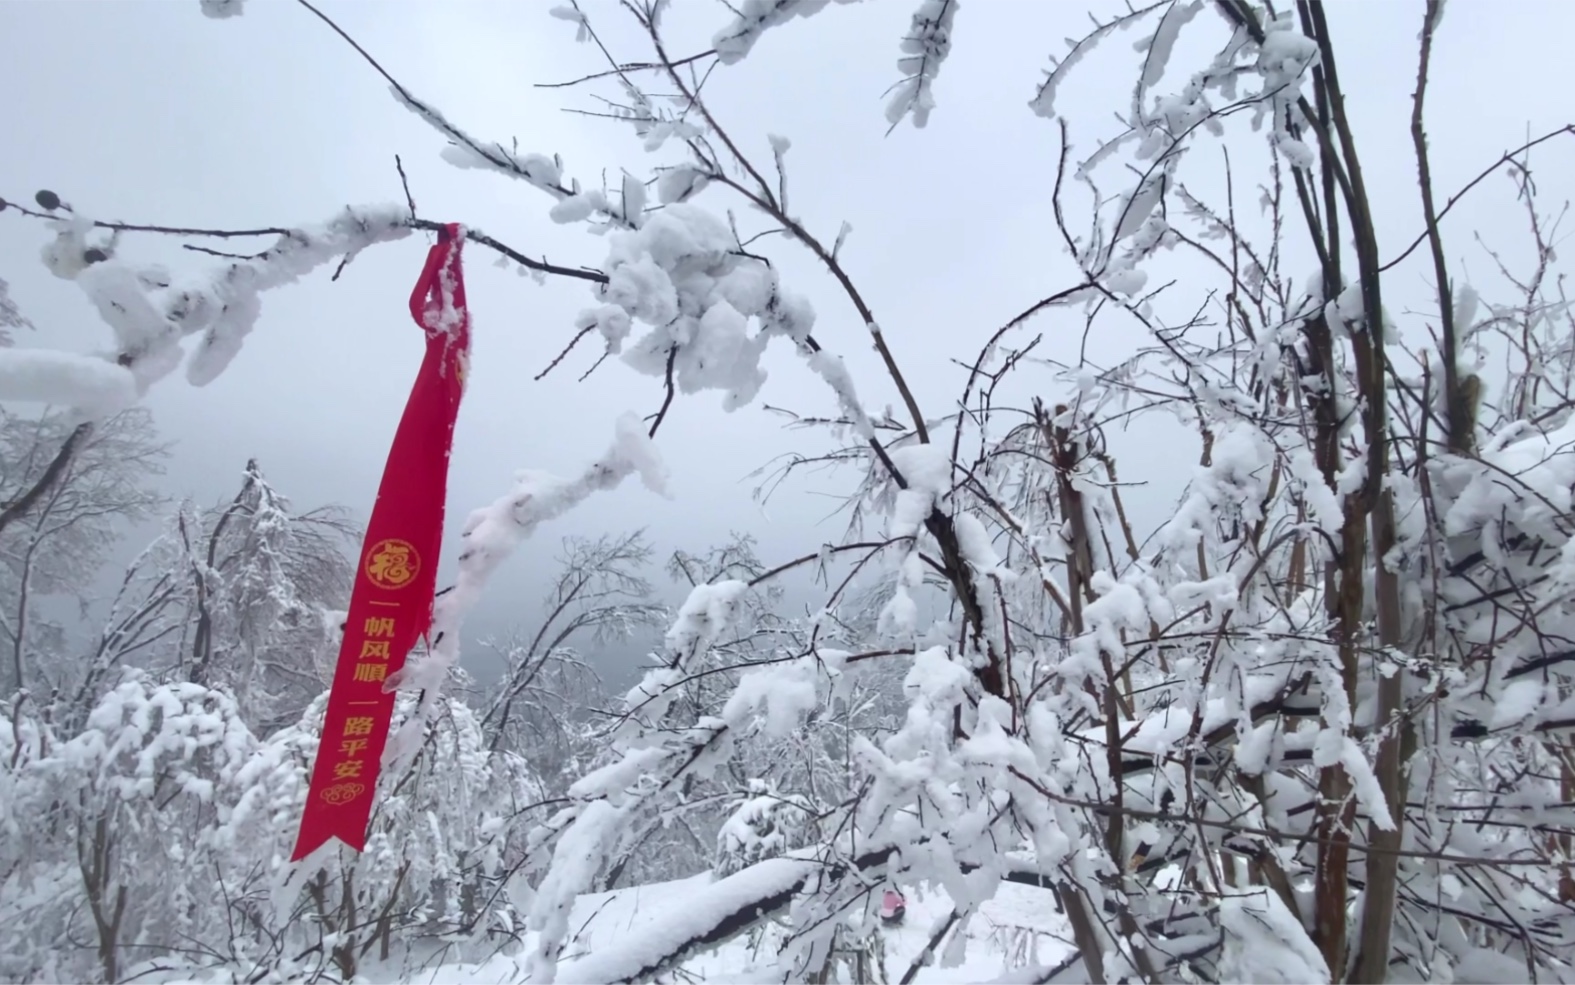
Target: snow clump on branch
[
  {"x": 149, "y": 315},
  {"x": 680, "y": 273}
]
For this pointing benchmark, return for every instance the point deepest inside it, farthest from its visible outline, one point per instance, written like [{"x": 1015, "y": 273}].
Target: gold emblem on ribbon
[
  {"x": 342, "y": 793},
  {"x": 392, "y": 563}
]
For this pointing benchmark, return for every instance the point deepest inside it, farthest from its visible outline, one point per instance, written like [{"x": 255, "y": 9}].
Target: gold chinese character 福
[{"x": 392, "y": 563}]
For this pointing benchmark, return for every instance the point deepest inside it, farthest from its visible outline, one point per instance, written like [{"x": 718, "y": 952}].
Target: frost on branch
[
  {"x": 924, "y": 47},
  {"x": 1158, "y": 47},
  {"x": 834, "y": 371},
  {"x": 756, "y": 17},
  {"x": 465, "y": 151},
  {"x": 1043, "y": 103}
]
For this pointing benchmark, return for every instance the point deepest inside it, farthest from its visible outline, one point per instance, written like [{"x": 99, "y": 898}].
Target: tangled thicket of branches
[{"x": 1315, "y": 722}]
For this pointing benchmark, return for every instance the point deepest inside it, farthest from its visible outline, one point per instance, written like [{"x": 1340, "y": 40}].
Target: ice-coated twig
[
  {"x": 924, "y": 48},
  {"x": 756, "y": 17}
]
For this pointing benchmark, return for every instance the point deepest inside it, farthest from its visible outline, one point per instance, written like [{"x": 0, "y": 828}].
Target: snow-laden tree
[
  {"x": 67, "y": 491},
  {"x": 804, "y": 759},
  {"x": 155, "y": 838},
  {"x": 268, "y": 584},
  {"x": 542, "y": 707},
  {"x": 1313, "y": 725},
  {"x": 105, "y": 851},
  {"x": 247, "y": 596}
]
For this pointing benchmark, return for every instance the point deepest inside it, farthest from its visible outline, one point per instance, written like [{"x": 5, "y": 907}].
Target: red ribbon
[{"x": 391, "y": 603}]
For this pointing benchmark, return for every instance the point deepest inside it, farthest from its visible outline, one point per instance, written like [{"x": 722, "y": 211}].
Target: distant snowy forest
[{"x": 1314, "y": 725}]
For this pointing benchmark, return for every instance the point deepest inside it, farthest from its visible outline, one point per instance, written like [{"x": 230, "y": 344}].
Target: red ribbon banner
[{"x": 391, "y": 603}]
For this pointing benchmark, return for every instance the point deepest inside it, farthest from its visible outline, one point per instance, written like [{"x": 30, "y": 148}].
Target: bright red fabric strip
[{"x": 391, "y": 602}]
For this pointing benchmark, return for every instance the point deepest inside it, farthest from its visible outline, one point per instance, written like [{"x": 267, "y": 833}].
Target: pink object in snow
[{"x": 891, "y": 904}]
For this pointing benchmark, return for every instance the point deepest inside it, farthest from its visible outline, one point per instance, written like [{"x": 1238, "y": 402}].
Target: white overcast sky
[{"x": 146, "y": 111}]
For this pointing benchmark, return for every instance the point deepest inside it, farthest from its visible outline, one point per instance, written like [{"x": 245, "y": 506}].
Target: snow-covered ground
[{"x": 1019, "y": 927}]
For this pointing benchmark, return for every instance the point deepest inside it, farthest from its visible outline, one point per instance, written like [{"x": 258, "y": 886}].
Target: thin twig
[
  {"x": 1508, "y": 158},
  {"x": 667, "y": 401},
  {"x": 405, "y": 182},
  {"x": 622, "y": 68},
  {"x": 566, "y": 350}
]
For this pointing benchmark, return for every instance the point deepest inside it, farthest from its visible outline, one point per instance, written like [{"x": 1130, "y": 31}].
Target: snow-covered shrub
[
  {"x": 165, "y": 824},
  {"x": 113, "y": 828}
]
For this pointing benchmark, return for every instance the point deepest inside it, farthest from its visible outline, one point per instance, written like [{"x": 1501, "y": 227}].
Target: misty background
[{"x": 145, "y": 111}]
